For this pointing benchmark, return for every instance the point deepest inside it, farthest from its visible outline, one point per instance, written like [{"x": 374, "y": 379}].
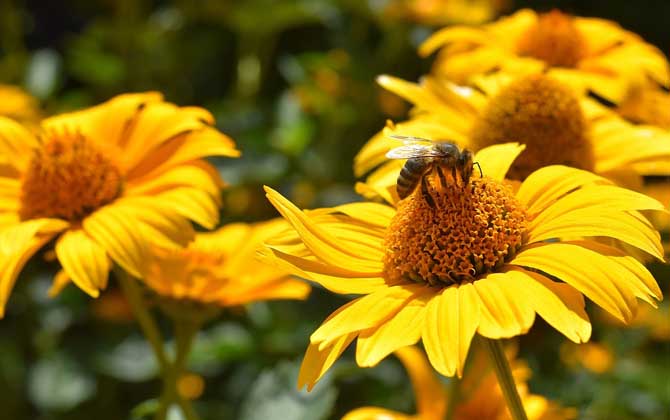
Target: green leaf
[{"x": 274, "y": 396}]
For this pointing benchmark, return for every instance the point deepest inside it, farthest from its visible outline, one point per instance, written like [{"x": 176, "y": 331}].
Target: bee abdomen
[{"x": 409, "y": 176}]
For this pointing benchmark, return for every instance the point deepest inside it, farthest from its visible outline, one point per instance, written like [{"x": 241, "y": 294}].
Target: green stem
[
  {"x": 151, "y": 332},
  {"x": 454, "y": 396},
  {"x": 185, "y": 331},
  {"x": 505, "y": 378},
  {"x": 149, "y": 328}
]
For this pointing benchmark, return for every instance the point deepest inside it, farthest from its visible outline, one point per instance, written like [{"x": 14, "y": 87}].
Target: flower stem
[
  {"x": 454, "y": 396},
  {"x": 149, "y": 328},
  {"x": 185, "y": 331},
  {"x": 151, "y": 332},
  {"x": 505, "y": 378}
]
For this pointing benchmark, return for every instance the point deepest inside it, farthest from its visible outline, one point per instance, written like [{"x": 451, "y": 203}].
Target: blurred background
[{"x": 293, "y": 83}]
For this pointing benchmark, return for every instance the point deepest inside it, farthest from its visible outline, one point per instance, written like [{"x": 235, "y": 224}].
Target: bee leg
[
  {"x": 426, "y": 194},
  {"x": 453, "y": 174},
  {"x": 481, "y": 174},
  {"x": 442, "y": 176}
]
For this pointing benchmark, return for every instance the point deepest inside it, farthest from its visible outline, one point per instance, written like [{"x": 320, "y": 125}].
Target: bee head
[{"x": 465, "y": 164}]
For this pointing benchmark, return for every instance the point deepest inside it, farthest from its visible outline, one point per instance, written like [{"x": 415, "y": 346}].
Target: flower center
[
  {"x": 542, "y": 114},
  {"x": 555, "y": 39},
  {"x": 68, "y": 178},
  {"x": 470, "y": 231}
]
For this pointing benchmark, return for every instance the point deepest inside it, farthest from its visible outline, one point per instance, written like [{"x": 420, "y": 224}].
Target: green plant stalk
[
  {"x": 453, "y": 398},
  {"x": 152, "y": 334},
  {"x": 147, "y": 324},
  {"x": 505, "y": 378},
  {"x": 185, "y": 331}
]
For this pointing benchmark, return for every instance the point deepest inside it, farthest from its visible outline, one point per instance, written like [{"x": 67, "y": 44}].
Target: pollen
[
  {"x": 542, "y": 114},
  {"x": 468, "y": 232},
  {"x": 68, "y": 177},
  {"x": 554, "y": 39}
]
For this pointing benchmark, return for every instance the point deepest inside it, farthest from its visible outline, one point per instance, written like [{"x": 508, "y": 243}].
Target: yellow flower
[
  {"x": 104, "y": 183},
  {"x": 481, "y": 259},
  {"x": 221, "y": 268},
  {"x": 587, "y": 53},
  {"x": 443, "y": 12},
  {"x": 596, "y": 357},
  {"x": 481, "y": 397},
  {"x": 18, "y": 105},
  {"x": 556, "y": 126}
]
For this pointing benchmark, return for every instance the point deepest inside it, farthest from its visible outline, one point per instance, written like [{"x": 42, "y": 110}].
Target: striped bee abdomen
[{"x": 410, "y": 175}]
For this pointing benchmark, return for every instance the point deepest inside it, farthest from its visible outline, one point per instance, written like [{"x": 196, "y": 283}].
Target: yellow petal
[
  {"x": 158, "y": 123},
  {"x": 560, "y": 304},
  {"x": 196, "y": 175},
  {"x": 452, "y": 317},
  {"x": 496, "y": 160},
  {"x": 600, "y": 198},
  {"x": 401, "y": 330},
  {"x": 365, "y": 312},
  {"x": 162, "y": 225},
  {"x": 317, "y": 361},
  {"x": 629, "y": 227},
  {"x": 550, "y": 183},
  {"x": 286, "y": 288},
  {"x": 84, "y": 261},
  {"x": 17, "y": 142},
  {"x": 17, "y": 244},
  {"x": 193, "y": 204},
  {"x": 335, "y": 279},
  {"x": 61, "y": 279},
  {"x": 645, "y": 286},
  {"x": 185, "y": 148},
  {"x": 430, "y": 392},
  {"x": 503, "y": 313},
  {"x": 371, "y": 213},
  {"x": 591, "y": 273},
  {"x": 453, "y": 34},
  {"x": 118, "y": 232},
  {"x": 374, "y": 413},
  {"x": 110, "y": 120},
  {"x": 322, "y": 244}
]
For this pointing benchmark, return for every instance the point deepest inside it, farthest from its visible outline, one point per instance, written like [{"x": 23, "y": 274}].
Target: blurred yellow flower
[
  {"x": 478, "y": 258},
  {"x": 105, "y": 182},
  {"x": 444, "y": 12},
  {"x": 18, "y": 105},
  {"x": 222, "y": 268},
  {"x": 586, "y": 53},
  {"x": 556, "y": 126},
  {"x": 596, "y": 357},
  {"x": 480, "y": 395}
]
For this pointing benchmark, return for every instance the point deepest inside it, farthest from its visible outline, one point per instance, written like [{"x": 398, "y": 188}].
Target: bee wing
[
  {"x": 409, "y": 151},
  {"x": 409, "y": 140}
]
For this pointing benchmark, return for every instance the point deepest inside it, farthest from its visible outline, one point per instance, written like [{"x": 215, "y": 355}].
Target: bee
[{"x": 423, "y": 156}]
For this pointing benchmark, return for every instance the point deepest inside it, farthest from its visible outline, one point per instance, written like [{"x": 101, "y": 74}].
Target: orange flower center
[
  {"x": 542, "y": 114},
  {"x": 470, "y": 231},
  {"x": 68, "y": 178},
  {"x": 554, "y": 39}
]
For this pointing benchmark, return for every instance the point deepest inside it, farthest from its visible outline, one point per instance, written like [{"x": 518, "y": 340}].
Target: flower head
[
  {"x": 555, "y": 125},
  {"x": 488, "y": 265},
  {"x": 586, "y": 53},
  {"x": 442, "y": 12},
  {"x": 221, "y": 268},
  {"x": 106, "y": 182},
  {"x": 482, "y": 397}
]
